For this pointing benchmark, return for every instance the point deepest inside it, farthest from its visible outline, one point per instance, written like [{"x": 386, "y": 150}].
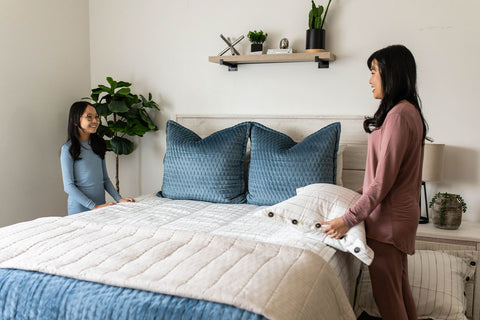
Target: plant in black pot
[
  {"x": 447, "y": 210},
  {"x": 316, "y": 33},
  {"x": 124, "y": 114},
  {"x": 257, "y": 38}
]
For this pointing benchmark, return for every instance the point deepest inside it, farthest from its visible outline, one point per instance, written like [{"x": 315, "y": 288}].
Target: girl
[
  {"x": 84, "y": 172},
  {"x": 392, "y": 183}
]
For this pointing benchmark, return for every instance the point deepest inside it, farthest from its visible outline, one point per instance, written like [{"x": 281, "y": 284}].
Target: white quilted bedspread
[{"x": 216, "y": 252}]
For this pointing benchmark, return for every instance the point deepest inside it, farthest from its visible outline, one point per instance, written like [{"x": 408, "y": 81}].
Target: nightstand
[{"x": 466, "y": 237}]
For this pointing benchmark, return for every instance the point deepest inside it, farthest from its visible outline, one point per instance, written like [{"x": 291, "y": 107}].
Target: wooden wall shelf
[{"x": 322, "y": 58}]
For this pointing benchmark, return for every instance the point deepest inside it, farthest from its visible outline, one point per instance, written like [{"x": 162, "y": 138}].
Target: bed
[{"x": 190, "y": 253}]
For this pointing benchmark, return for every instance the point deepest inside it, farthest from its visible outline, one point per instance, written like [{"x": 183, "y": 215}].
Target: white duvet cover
[{"x": 218, "y": 252}]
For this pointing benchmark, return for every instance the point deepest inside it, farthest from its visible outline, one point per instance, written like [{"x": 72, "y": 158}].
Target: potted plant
[
  {"x": 257, "y": 38},
  {"x": 447, "y": 210},
  {"x": 316, "y": 34},
  {"x": 121, "y": 113}
]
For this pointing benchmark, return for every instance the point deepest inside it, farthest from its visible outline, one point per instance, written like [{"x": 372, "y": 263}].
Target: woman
[
  {"x": 84, "y": 172},
  {"x": 392, "y": 183}
]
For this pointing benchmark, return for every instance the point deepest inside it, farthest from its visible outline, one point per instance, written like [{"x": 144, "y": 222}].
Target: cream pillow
[
  {"x": 318, "y": 203},
  {"x": 437, "y": 280}
]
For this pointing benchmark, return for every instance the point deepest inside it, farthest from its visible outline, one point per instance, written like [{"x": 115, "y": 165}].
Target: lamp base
[{"x": 422, "y": 219}]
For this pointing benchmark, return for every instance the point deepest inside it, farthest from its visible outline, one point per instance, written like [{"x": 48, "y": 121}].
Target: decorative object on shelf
[
  {"x": 316, "y": 34},
  {"x": 231, "y": 45},
  {"x": 257, "y": 38},
  {"x": 432, "y": 170},
  {"x": 124, "y": 113},
  {"x": 447, "y": 210},
  {"x": 283, "y": 48}
]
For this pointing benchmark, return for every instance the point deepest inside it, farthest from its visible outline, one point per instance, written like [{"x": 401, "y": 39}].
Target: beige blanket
[{"x": 277, "y": 281}]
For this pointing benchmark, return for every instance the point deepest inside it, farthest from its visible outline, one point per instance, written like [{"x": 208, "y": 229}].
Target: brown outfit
[{"x": 389, "y": 204}]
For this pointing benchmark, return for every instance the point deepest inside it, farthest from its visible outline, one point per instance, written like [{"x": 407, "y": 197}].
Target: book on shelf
[{"x": 280, "y": 51}]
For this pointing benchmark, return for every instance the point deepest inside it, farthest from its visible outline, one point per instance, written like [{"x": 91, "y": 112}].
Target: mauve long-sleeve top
[{"x": 389, "y": 204}]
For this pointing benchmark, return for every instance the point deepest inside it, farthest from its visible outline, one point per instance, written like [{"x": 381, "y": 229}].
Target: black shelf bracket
[
  {"x": 322, "y": 64},
  {"x": 231, "y": 66}
]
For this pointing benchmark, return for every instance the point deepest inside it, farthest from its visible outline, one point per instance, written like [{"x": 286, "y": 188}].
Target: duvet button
[
  {"x": 472, "y": 263},
  {"x": 318, "y": 226},
  {"x": 270, "y": 214},
  {"x": 356, "y": 250},
  {"x": 467, "y": 279},
  {"x": 294, "y": 221}
]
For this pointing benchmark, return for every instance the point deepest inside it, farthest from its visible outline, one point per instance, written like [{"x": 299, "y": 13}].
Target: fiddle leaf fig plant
[
  {"x": 315, "y": 20},
  {"x": 123, "y": 114}
]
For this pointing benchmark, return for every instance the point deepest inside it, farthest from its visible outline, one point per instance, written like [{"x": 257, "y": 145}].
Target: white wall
[
  {"x": 44, "y": 63},
  {"x": 163, "y": 47}
]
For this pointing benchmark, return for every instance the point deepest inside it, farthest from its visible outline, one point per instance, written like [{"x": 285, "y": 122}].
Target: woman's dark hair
[
  {"x": 98, "y": 144},
  {"x": 398, "y": 72}
]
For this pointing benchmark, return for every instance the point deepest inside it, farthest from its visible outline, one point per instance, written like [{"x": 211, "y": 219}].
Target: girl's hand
[
  {"x": 98, "y": 206},
  {"x": 335, "y": 228},
  {"x": 126, "y": 200}
]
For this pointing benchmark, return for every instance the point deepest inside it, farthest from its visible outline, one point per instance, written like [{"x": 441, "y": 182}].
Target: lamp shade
[{"x": 433, "y": 162}]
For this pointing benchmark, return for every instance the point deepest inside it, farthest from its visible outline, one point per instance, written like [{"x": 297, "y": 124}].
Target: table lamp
[{"x": 432, "y": 171}]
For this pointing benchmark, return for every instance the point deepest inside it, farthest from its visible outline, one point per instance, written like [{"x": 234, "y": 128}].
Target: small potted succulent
[
  {"x": 447, "y": 210},
  {"x": 316, "y": 34},
  {"x": 257, "y": 38}
]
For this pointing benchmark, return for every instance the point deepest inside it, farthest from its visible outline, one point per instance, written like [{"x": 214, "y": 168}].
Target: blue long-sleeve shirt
[{"x": 85, "y": 180}]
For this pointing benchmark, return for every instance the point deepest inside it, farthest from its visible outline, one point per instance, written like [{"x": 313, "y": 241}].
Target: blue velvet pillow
[
  {"x": 210, "y": 169},
  {"x": 279, "y": 165}
]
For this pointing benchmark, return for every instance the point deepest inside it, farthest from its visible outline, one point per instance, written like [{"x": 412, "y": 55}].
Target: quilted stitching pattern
[
  {"x": 278, "y": 281},
  {"x": 279, "y": 165},
  {"x": 210, "y": 169}
]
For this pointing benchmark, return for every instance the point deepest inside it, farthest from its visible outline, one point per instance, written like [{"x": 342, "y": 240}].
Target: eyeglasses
[{"x": 90, "y": 117}]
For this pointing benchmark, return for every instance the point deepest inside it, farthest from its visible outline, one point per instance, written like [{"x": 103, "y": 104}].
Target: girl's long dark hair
[
  {"x": 398, "y": 72},
  {"x": 98, "y": 144}
]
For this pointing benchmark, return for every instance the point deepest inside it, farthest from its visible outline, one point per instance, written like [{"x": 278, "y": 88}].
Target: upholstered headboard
[{"x": 353, "y": 140}]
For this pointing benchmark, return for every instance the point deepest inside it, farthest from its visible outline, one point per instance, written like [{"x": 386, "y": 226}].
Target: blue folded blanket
[{"x": 38, "y": 296}]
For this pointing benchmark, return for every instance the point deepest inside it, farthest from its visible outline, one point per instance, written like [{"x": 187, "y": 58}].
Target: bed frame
[{"x": 353, "y": 140}]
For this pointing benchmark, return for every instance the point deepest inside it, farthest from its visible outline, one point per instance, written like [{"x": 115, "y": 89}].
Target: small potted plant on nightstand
[
  {"x": 316, "y": 33},
  {"x": 257, "y": 38},
  {"x": 447, "y": 210}
]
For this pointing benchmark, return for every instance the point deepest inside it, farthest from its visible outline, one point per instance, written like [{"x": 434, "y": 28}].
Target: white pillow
[
  {"x": 318, "y": 203},
  {"x": 437, "y": 280}
]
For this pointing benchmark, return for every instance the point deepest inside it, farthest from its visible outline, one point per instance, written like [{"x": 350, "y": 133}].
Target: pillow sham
[
  {"x": 437, "y": 280},
  {"x": 279, "y": 165},
  {"x": 318, "y": 203},
  {"x": 209, "y": 169}
]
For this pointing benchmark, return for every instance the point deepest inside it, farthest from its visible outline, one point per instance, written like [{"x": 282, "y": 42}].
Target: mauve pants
[{"x": 391, "y": 289}]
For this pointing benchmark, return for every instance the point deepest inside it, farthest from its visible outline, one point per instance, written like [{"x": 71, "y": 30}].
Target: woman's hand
[
  {"x": 98, "y": 206},
  {"x": 127, "y": 199},
  {"x": 335, "y": 228}
]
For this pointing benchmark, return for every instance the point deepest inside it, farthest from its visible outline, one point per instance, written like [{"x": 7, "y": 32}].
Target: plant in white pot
[
  {"x": 316, "y": 34},
  {"x": 447, "y": 210}
]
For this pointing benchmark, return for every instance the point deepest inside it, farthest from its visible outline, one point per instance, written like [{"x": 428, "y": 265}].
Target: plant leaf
[
  {"x": 105, "y": 89},
  {"x": 119, "y": 126},
  {"x": 118, "y": 106},
  {"x": 121, "y": 145},
  {"x": 113, "y": 83},
  {"x": 123, "y": 91},
  {"x": 123, "y": 84},
  {"x": 102, "y": 109}
]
